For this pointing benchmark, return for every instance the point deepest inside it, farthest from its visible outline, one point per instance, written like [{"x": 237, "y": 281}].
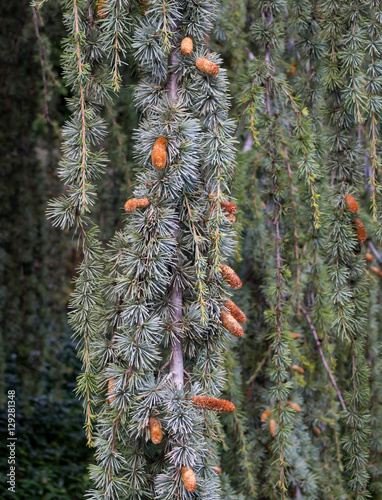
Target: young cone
[
  {"x": 189, "y": 479},
  {"x": 272, "y": 427},
  {"x": 110, "y": 390},
  {"x": 369, "y": 257},
  {"x": 156, "y": 433},
  {"x": 101, "y": 8},
  {"x": 360, "y": 230},
  {"x": 298, "y": 369},
  {"x": 296, "y": 335},
  {"x": 265, "y": 415},
  {"x": 351, "y": 203},
  {"x": 217, "y": 469},
  {"x": 207, "y": 66},
  {"x": 376, "y": 271},
  {"x": 295, "y": 406},
  {"x": 132, "y": 205},
  {"x": 231, "y": 277},
  {"x": 187, "y": 46},
  {"x": 231, "y": 324},
  {"x": 236, "y": 312},
  {"x": 159, "y": 153},
  {"x": 214, "y": 404},
  {"x": 231, "y": 218}
]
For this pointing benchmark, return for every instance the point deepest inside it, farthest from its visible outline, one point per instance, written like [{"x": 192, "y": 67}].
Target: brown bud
[
  {"x": 207, "y": 403},
  {"x": 231, "y": 218},
  {"x": 229, "y": 207},
  {"x": 159, "y": 154},
  {"x": 298, "y": 369},
  {"x": 369, "y": 257},
  {"x": 351, "y": 203},
  {"x": 189, "y": 479},
  {"x": 265, "y": 415},
  {"x": 230, "y": 323},
  {"x": 295, "y": 406},
  {"x": 296, "y": 335},
  {"x": 376, "y": 271},
  {"x": 132, "y": 205},
  {"x": 110, "y": 390},
  {"x": 187, "y": 46},
  {"x": 236, "y": 312},
  {"x": 217, "y": 469},
  {"x": 360, "y": 230},
  {"x": 207, "y": 66},
  {"x": 230, "y": 277},
  {"x": 317, "y": 431},
  {"x": 293, "y": 68},
  {"x": 101, "y": 8},
  {"x": 272, "y": 427},
  {"x": 155, "y": 427},
  {"x": 143, "y": 7}
]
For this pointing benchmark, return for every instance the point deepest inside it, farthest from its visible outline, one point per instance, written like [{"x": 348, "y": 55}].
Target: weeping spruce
[{"x": 162, "y": 349}]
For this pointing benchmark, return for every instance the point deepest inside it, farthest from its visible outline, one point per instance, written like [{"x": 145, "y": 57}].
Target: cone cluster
[
  {"x": 230, "y": 277},
  {"x": 207, "y": 66},
  {"x": 159, "y": 153},
  {"x": 132, "y": 205},
  {"x": 214, "y": 404},
  {"x": 187, "y": 46},
  {"x": 235, "y": 310},
  {"x": 189, "y": 479},
  {"x": 156, "y": 433}
]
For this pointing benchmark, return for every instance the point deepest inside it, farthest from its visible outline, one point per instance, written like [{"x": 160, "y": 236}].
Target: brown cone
[
  {"x": 351, "y": 203},
  {"x": 132, "y": 205},
  {"x": 369, "y": 257},
  {"x": 230, "y": 277},
  {"x": 214, "y": 404},
  {"x": 265, "y": 415},
  {"x": 187, "y": 46},
  {"x": 110, "y": 390},
  {"x": 236, "y": 312},
  {"x": 231, "y": 324},
  {"x": 159, "y": 153},
  {"x": 295, "y": 406},
  {"x": 229, "y": 207},
  {"x": 360, "y": 230},
  {"x": 272, "y": 427},
  {"x": 296, "y": 335},
  {"x": 376, "y": 271},
  {"x": 217, "y": 469},
  {"x": 156, "y": 433},
  {"x": 298, "y": 369},
  {"x": 189, "y": 479},
  {"x": 207, "y": 66},
  {"x": 101, "y": 9},
  {"x": 231, "y": 218}
]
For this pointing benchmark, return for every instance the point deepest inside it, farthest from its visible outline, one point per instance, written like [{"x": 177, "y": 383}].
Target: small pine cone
[
  {"x": 295, "y": 406},
  {"x": 101, "y": 8},
  {"x": 351, "y": 203},
  {"x": 369, "y": 257},
  {"x": 265, "y": 415},
  {"x": 231, "y": 277},
  {"x": 231, "y": 218},
  {"x": 143, "y": 7},
  {"x": 229, "y": 207},
  {"x": 187, "y": 46},
  {"x": 317, "y": 431},
  {"x": 110, "y": 390},
  {"x": 189, "y": 479},
  {"x": 236, "y": 312},
  {"x": 132, "y": 205},
  {"x": 298, "y": 369},
  {"x": 376, "y": 271},
  {"x": 207, "y": 403},
  {"x": 360, "y": 230},
  {"x": 156, "y": 433},
  {"x": 230, "y": 323},
  {"x": 207, "y": 66},
  {"x": 217, "y": 469},
  {"x": 296, "y": 335},
  {"x": 159, "y": 154},
  {"x": 272, "y": 427}
]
